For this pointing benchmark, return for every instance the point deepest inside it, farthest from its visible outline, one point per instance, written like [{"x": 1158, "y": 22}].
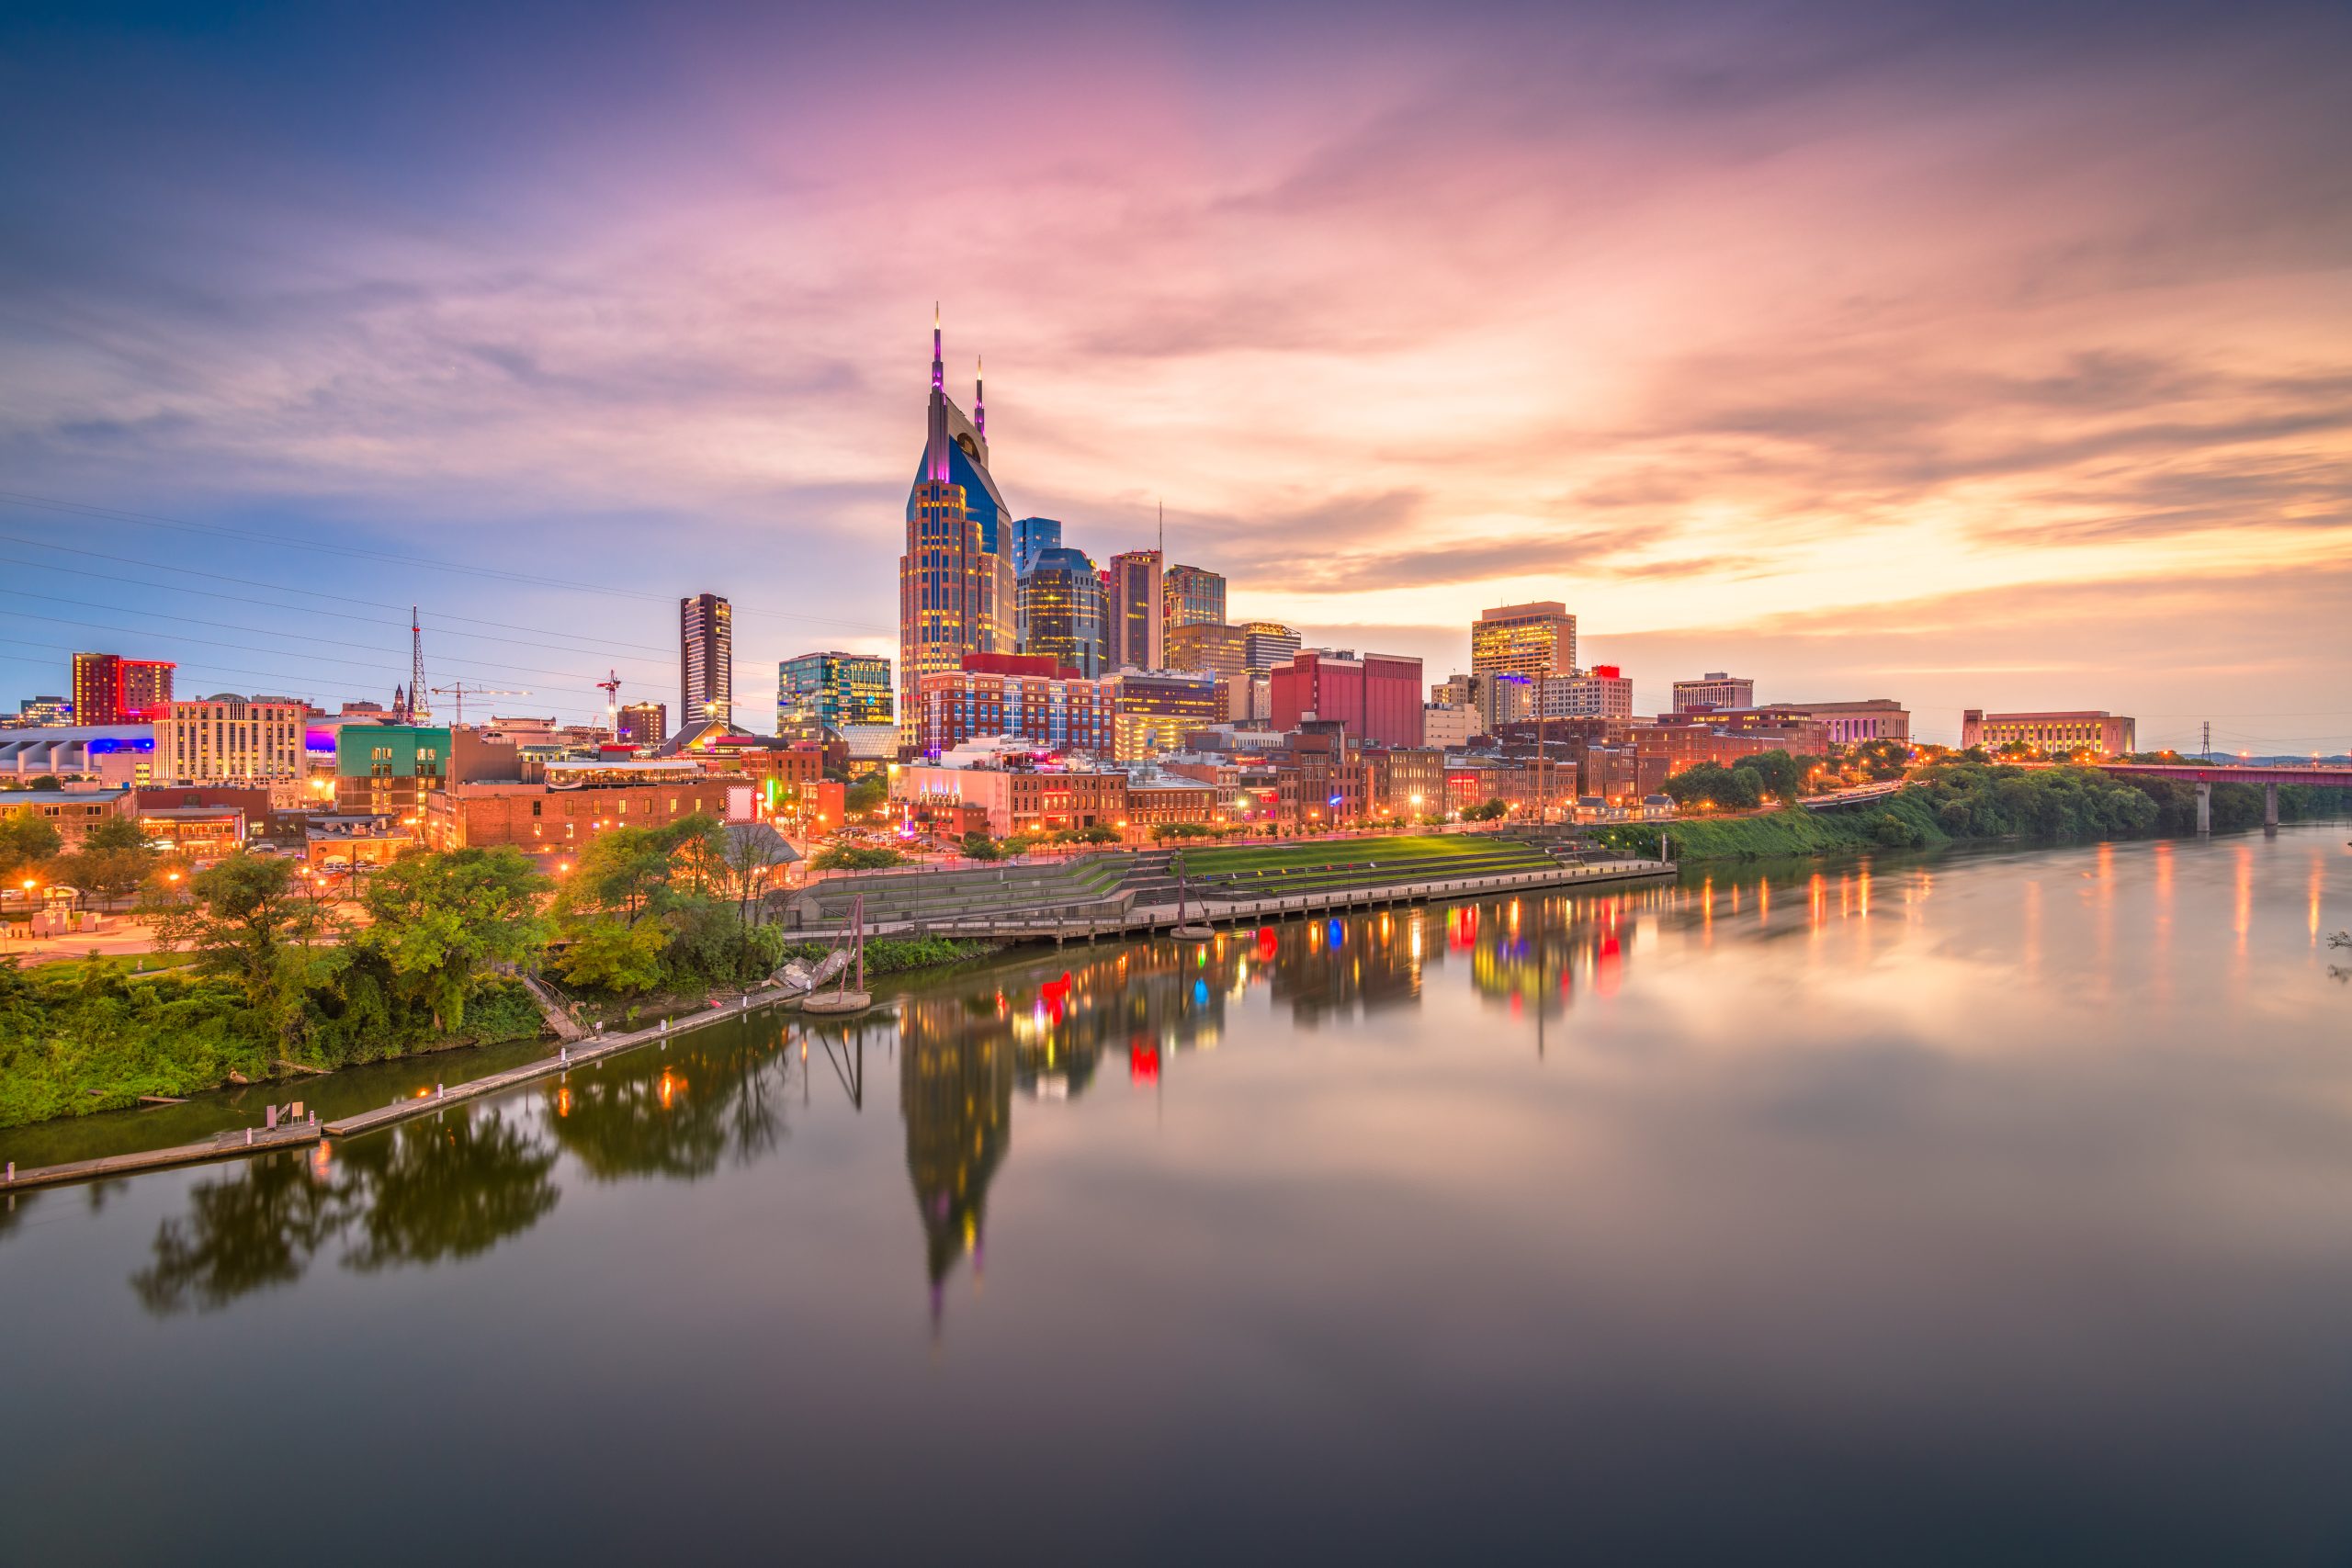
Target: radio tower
[
  {"x": 419, "y": 708},
  {"x": 2205, "y": 746}
]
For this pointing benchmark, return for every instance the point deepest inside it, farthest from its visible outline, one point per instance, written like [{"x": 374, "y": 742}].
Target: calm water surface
[{"x": 1988, "y": 1208}]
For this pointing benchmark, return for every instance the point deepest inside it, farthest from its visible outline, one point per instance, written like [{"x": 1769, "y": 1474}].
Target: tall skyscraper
[
  {"x": 1193, "y": 597},
  {"x": 1064, "y": 611},
  {"x": 1267, "y": 646},
  {"x": 955, "y": 590},
  {"x": 1138, "y": 612},
  {"x": 111, "y": 689},
  {"x": 819, "y": 692},
  {"x": 706, "y": 659},
  {"x": 1524, "y": 639},
  {"x": 1032, "y": 537}
]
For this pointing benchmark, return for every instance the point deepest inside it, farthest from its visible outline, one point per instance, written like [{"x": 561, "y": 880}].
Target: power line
[
  {"x": 600, "y": 644},
  {"x": 262, "y": 631},
  {"x": 353, "y": 689},
  {"x": 80, "y": 509}
]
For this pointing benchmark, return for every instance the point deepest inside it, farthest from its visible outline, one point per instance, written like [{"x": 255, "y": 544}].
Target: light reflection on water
[{"x": 1991, "y": 1204}]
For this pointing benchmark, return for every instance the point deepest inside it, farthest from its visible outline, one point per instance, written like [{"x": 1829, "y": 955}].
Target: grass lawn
[
  {"x": 131, "y": 964},
  {"x": 1343, "y": 851}
]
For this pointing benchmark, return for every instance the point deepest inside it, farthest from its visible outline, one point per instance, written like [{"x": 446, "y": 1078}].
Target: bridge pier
[
  {"x": 2204, "y": 805},
  {"x": 2271, "y": 805}
]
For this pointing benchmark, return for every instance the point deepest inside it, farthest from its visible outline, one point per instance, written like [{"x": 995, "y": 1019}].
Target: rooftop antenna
[
  {"x": 1163, "y": 536},
  {"x": 979, "y": 398}
]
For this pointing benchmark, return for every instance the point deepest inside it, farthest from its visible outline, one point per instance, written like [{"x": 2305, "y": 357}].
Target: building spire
[
  {"x": 938, "y": 371},
  {"x": 980, "y": 396},
  {"x": 1163, "y": 536},
  {"x": 937, "y": 467}
]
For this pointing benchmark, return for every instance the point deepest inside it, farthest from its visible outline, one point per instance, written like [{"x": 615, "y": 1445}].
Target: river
[{"x": 1962, "y": 1208}]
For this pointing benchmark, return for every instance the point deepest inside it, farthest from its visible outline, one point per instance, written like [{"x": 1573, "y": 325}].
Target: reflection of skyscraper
[
  {"x": 955, "y": 1072},
  {"x": 1334, "y": 968}
]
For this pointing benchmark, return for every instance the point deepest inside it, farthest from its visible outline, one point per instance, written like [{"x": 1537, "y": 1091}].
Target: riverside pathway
[{"x": 1043, "y": 927}]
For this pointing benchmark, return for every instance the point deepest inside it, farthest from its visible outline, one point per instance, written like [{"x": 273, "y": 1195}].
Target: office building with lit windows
[
  {"x": 1065, "y": 614},
  {"x": 819, "y": 692},
  {"x": 1266, "y": 645},
  {"x": 1524, "y": 639},
  {"x": 1193, "y": 596},
  {"x": 1138, "y": 612},
  {"x": 1152, "y": 711},
  {"x": 1716, "y": 689}
]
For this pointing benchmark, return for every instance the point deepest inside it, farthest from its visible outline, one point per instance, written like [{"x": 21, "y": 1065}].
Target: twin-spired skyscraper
[{"x": 956, "y": 581}]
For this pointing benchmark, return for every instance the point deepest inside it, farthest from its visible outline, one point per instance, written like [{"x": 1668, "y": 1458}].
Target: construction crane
[
  {"x": 611, "y": 686},
  {"x": 461, "y": 692}
]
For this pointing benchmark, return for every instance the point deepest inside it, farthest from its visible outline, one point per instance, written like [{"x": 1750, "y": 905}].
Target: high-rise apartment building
[
  {"x": 1065, "y": 611},
  {"x": 819, "y": 692},
  {"x": 111, "y": 689},
  {"x": 1377, "y": 696},
  {"x": 705, "y": 659},
  {"x": 1267, "y": 646},
  {"x": 1138, "y": 612},
  {"x": 956, "y": 591},
  {"x": 1032, "y": 537},
  {"x": 642, "y": 724},
  {"x": 1714, "y": 690},
  {"x": 1524, "y": 639},
  {"x": 225, "y": 738},
  {"x": 1193, "y": 596}
]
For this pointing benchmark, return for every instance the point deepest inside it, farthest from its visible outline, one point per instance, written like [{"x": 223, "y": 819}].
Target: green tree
[
  {"x": 1782, "y": 775},
  {"x": 440, "y": 920},
  {"x": 608, "y": 954},
  {"x": 752, "y": 853},
  {"x": 866, "y": 794},
  {"x": 626, "y": 872},
  {"x": 115, "y": 856},
  {"x": 28, "y": 842},
  {"x": 245, "y": 919},
  {"x": 977, "y": 845},
  {"x": 846, "y": 857},
  {"x": 1485, "y": 811}
]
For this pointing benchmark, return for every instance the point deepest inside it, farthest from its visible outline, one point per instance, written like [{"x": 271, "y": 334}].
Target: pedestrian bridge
[{"x": 2206, "y": 775}]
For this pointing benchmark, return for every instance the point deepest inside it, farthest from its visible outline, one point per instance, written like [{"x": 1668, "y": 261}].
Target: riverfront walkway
[{"x": 1126, "y": 923}]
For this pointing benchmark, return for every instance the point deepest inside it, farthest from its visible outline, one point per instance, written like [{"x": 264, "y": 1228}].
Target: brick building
[
  {"x": 1377, "y": 696},
  {"x": 547, "y": 820}
]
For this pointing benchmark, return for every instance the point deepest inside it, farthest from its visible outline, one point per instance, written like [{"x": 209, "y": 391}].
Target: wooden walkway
[{"x": 1147, "y": 919}]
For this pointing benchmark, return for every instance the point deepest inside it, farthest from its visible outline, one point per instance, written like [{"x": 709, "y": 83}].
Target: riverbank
[{"x": 1974, "y": 802}]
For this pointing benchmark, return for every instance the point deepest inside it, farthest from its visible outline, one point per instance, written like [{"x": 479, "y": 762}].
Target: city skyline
[{"x": 1797, "y": 375}]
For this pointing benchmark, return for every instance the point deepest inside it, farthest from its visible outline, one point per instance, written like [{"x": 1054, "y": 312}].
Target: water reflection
[
  {"x": 680, "y": 1112},
  {"x": 451, "y": 1188}
]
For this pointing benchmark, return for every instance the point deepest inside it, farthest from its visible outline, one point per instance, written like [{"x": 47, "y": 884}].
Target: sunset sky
[{"x": 1978, "y": 355}]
